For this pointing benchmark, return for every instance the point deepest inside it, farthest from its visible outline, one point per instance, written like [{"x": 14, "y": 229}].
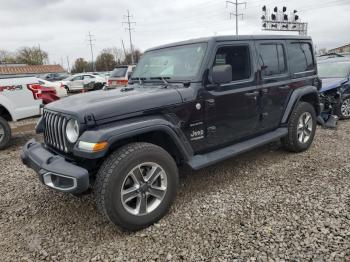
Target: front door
[
  {"x": 77, "y": 82},
  {"x": 232, "y": 112}
]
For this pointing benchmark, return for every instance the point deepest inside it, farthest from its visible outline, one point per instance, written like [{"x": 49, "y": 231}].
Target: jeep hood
[
  {"x": 111, "y": 103},
  {"x": 331, "y": 83}
]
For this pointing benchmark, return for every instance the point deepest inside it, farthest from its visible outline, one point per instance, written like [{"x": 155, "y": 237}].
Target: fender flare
[
  {"x": 120, "y": 130},
  {"x": 296, "y": 96}
]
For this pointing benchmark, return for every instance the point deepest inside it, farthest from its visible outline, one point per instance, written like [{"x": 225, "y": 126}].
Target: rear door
[{"x": 274, "y": 82}]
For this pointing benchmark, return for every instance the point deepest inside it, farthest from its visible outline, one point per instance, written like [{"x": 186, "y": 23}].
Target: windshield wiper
[
  {"x": 164, "y": 79},
  {"x": 140, "y": 79}
]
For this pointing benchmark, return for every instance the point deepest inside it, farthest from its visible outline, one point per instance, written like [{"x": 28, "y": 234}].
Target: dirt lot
[{"x": 266, "y": 204}]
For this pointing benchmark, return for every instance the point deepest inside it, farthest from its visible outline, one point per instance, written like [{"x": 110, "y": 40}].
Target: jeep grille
[{"x": 55, "y": 129}]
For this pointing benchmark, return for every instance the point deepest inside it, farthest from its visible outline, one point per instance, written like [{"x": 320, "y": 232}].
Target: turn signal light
[{"x": 92, "y": 147}]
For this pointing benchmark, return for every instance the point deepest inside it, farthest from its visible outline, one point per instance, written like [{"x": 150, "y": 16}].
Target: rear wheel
[
  {"x": 301, "y": 128},
  {"x": 136, "y": 185},
  {"x": 5, "y": 133},
  {"x": 343, "y": 109}
]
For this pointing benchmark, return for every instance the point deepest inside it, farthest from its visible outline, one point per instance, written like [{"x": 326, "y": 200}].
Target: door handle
[{"x": 254, "y": 94}]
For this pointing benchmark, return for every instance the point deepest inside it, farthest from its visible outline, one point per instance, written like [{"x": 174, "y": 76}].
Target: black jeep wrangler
[{"x": 196, "y": 102}]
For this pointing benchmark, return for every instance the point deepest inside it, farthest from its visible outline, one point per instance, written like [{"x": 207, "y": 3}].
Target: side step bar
[{"x": 200, "y": 161}]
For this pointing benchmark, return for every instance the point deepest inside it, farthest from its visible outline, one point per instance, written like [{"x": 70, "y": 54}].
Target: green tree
[
  {"x": 105, "y": 61},
  {"x": 137, "y": 56},
  {"x": 80, "y": 65},
  {"x": 31, "y": 56}
]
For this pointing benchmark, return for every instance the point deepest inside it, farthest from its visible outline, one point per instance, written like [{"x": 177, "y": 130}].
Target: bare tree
[
  {"x": 80, "y": 65},
  {"x": 31, "y": 56},
  {"x": 7, "y": 57}
]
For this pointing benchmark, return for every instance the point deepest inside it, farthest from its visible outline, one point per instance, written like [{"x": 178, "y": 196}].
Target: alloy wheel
[
  {"x": 305, "y": 125},
  {"x": 2, "y": 133},
  {"x": 345, "y": 108},
  {"x": 144, "y": 188}
]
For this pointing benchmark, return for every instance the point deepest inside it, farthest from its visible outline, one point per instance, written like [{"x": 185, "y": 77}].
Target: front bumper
[{"x": 53, "y": 170}]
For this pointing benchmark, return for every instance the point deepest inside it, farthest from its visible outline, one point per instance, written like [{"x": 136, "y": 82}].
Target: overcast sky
[{"x": 61, "y": 26}]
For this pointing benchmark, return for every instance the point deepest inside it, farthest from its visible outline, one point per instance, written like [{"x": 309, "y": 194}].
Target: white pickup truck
[{"x": 19, "y": 98}]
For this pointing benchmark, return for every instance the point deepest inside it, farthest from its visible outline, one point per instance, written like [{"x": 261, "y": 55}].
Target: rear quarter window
[{"x": 300, "y": 57}]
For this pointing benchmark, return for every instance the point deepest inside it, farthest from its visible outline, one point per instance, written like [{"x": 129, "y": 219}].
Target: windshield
[
  {"x": 179, "y": 62},
  {"x": 119, "y": 72},
  {"x": 336, "y": 69}
]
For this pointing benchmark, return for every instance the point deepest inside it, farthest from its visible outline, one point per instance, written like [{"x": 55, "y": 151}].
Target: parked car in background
[
  {"x": 105, "y": 74},
  {"x": 60, "y": 89},
  {"x": 335, "y": 92},
  {"x": 56, "y": 76},
  {"x": 120, "y": 75},
  {"x": 83, "y": 81},
  {"x": 191, "y": 103},
  {"x": 19, "y": 98}
]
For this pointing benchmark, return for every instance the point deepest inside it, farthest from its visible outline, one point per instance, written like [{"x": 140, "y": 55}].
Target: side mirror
[{"x": 222, "y": 74}]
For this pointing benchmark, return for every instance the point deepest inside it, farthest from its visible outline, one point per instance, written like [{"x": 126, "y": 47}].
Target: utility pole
[
  {"x": 68, "y": 64},
  {"x": 124, "y": 49},
  {"x": 236, "y": 14},
  {"x": 129, "y": 28},
  {"x": 91, "y": 40}
]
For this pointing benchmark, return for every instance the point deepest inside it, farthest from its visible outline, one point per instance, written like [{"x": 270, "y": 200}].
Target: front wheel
[
  {"x": 301, "y": 128},
  {"x": 136, "y": 185},
  {"x": 5, "y": 133},
  {"x": 343, "y": 109}
]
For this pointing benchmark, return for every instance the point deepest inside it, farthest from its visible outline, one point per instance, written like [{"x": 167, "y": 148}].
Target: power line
[
  {"x": 91, "y": 40},
  {"x": 129, "y": 28},
  {"x": 236, "y": 14}
]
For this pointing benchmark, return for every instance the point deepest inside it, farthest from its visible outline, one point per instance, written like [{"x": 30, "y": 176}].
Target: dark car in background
[
  {"x": 56, "y": 76},
  {"x": 335, "y": 92}
]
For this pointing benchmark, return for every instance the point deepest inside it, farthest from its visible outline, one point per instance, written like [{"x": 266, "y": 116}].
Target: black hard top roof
[{"x": 233, "y": 38}]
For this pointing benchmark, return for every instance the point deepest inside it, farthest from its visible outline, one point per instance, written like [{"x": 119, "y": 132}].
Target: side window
[
  {"x": 88, "y": 77},
  {"x": 236, "y": 56},
  {"x": 272, "y": 59},
  {"x": 300, "y": 57},
  {"x": 77, "y": 78}
]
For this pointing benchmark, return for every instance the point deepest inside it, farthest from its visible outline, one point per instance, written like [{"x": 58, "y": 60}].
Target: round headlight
[{"x": 72, "y": 130}]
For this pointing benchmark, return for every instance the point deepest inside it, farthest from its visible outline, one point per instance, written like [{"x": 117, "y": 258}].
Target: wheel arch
[
  {"x": 158, "y": 131},
  {"x": 307, "y": 94},
  {"x": 5, "y": 113}
]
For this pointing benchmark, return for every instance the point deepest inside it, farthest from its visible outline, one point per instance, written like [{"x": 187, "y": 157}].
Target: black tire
[
  {"x": 291, "y": 142},
  {"x": 5, "y": 138},
  {"x": 113, "y": 174},
  {"x": 67, "y": 88},
  {"x": 98, "y": 86},
  {"x": 338, "y": 108}
]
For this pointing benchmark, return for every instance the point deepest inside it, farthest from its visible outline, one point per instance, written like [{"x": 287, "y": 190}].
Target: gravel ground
[{"x": 264, "y": 205}]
